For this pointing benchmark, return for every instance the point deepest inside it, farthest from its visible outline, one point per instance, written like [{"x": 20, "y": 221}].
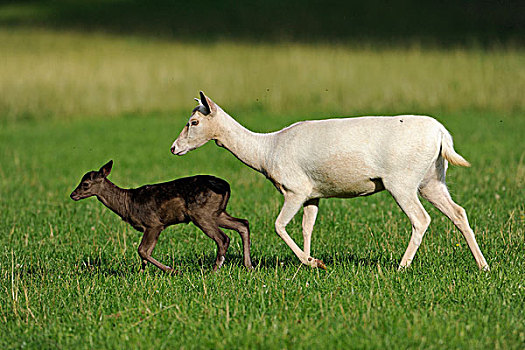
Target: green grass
[{"x": 69, "y": 272}]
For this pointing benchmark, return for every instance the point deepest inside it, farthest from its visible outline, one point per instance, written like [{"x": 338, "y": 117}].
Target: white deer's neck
[{"x": 249, "y": 147}]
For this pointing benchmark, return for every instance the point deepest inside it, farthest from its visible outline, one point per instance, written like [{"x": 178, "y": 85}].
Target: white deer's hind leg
[
  {"x": 310, "y": 210},
  {"x": 411, "y": 206},
  {"x": 436, "y": 192},
  {"x": 291, "y": 206}
]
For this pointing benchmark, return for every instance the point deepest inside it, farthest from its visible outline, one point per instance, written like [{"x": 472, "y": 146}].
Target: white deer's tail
[{"x": 447, "y": 150}]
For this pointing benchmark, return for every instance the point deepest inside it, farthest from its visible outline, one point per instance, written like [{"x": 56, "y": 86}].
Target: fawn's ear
[
  {"x": 106, "y": 169},
  {"x": 208, "y": 103}
]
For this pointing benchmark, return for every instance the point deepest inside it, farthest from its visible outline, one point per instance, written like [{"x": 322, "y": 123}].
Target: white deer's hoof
[
  {"x": 320, "y": 264},
  {"x": 316, "y": 263}
]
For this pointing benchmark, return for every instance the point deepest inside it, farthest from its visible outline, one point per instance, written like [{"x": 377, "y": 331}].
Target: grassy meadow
[
  {"x": 70, "y": 76},
  {"x": 69, "y": 272}
]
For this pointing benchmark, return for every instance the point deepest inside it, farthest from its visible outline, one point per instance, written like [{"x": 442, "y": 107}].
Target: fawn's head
[
  {"x": 200, "y": 128},
  {"x": 91, "y": 183}
]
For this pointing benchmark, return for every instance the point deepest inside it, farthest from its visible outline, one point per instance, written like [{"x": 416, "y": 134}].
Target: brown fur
[{"x": 200, "y": 199}]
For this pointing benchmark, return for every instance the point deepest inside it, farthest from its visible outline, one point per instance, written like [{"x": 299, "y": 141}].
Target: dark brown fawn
[{"x": 200, "y": 199}]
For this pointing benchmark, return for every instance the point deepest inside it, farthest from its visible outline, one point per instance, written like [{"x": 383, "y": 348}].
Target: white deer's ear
[
  {"x": 201, "y": 108},
  {"x": 208, "y": 103}
]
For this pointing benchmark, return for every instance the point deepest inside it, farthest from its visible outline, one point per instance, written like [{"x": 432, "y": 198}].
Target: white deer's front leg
[
  {"x": 310, "y": 210},
  {"x": 291, "y": 206}
]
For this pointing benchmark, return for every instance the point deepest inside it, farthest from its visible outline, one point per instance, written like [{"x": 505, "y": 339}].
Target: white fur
[{"x": 344, "y": 157}]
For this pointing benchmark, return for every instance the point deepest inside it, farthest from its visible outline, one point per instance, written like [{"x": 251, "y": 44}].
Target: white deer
[{"x": 345, "y": 157}]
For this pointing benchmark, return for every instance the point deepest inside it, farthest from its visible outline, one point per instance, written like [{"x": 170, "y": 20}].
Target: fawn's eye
[
  {"x": 85, "y": 185},
  {"x": 194, "y": 122}
]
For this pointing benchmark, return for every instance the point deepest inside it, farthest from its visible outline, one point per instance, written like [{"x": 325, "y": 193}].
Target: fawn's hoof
[{"x": 172, "y": 271}]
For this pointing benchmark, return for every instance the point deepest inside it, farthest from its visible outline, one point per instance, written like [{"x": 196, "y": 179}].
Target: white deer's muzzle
[{"x": 175, "y": 149}]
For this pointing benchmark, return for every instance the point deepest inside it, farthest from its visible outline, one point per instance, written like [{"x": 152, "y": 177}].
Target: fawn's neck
[{"x": 115, "y": 198}]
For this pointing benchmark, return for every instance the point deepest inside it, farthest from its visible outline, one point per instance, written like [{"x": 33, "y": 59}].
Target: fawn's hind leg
[
  {"x": 210, "y": 227},
  {"x": 242, "y": 226}
]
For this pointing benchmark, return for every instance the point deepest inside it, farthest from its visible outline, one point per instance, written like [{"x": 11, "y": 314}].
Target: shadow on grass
[
  {"x": 87, "y": 264},
  {"x": 371, "y": 260},
  {"x": 195, "y": 264},
  {"x": 181, "y": 264},
  {"x": 330, "y": 261}
]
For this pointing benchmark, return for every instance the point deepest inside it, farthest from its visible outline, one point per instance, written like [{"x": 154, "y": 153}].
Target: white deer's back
[{"x": 348, "y": 157}]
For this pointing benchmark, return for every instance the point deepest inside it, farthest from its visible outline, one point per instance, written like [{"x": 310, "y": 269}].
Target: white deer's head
[{"x": 200, "y": 128}]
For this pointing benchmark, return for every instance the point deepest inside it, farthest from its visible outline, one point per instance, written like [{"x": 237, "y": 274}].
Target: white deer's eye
[{"x": 194, "y": 122}]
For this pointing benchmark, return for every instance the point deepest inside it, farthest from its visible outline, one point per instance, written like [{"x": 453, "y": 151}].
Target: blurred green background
[
  {"x": 71, "y": 59},
  {"x": 82, "y": 82},
  {"x": 386, "y": 22}
]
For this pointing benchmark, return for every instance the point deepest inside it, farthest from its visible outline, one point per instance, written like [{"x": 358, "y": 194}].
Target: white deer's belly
[
  {"x": 346, "y": 187},
  {"x": 343, "y": 176}
]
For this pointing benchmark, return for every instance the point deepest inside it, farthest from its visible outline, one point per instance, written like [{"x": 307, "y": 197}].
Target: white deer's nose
[
  {"x": 174, "y": 148},
  {"x": 178, "y": 151}
]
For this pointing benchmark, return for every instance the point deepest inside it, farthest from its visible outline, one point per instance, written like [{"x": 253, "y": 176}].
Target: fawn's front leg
[{"x": 149, "y": 240}]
